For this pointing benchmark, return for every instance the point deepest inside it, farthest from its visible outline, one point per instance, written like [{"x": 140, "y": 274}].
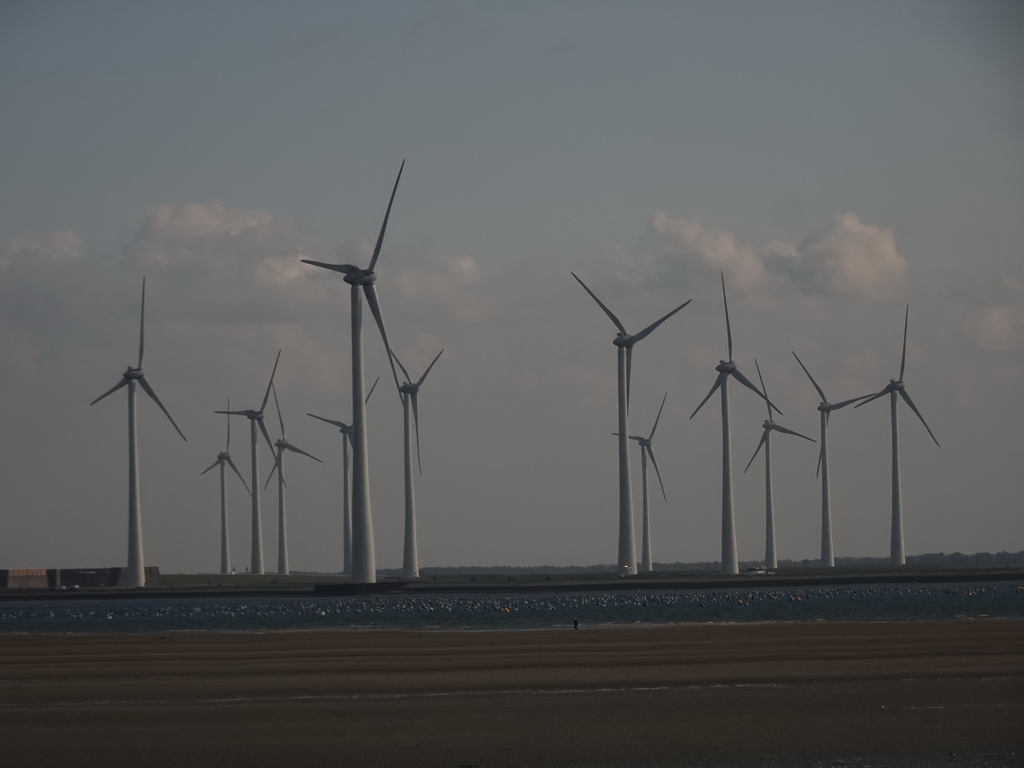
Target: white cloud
[
  {"x": 456, "y": 287},
  {"x": 847, "y": 258},
  {"x": 850, "y": 258}
]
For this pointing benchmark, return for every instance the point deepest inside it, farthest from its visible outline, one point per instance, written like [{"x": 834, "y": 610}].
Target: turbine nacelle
[
  {"x": 725, "y": 366},
  {"x": 134, "y": 373}
]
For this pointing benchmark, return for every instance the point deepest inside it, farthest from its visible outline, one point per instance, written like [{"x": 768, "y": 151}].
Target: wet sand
[{"x": 911, "y": 694}]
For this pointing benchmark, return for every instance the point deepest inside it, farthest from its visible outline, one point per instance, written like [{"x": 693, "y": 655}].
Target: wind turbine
[
  {"x": 625, "y": 341},
  {"x": 256, "y": 418},
  {"x": 364, "y": 569},
  {"x": 727, "y": 368},
  {"x": 769, "y": 426},
  {"x": 346, "y": 518},
  {"x": 136, "y": 575},
  {"x": 646, "y": 449},
  {"x": 224, "y": 457},
  {"x": 894, "y": 387},
  {"x": 409, "y": 392},
  {"x": 282, "y": 529},
  {"x": 825, "y": 408}
]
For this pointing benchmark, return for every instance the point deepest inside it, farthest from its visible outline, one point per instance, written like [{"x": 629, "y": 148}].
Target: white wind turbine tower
[
  {"x": 727, "y": 368},
  {"x": 646, "y": 449},
  {"x": 364, "y": 568},
  {"x": 410, "y": 393},
  {"x": 624, "y": 342},
  {"x": 894, "y": 387},
  {"x": 224, "y": 457},
  {"x": 346, "y": 518},
  {"x": 136, "y": 566},
  {"x": 825, "y": 408},
  {"x": 256, "y": 418},
  {"x": 769, "y": 426},
  {"x": 282, "y": 527}
]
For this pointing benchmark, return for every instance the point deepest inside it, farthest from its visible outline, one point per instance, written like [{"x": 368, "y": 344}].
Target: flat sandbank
[{"x": 901, "y": 693}]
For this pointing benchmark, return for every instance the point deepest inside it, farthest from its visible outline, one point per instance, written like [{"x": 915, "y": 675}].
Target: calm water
[{"x": 518, "y": 611}]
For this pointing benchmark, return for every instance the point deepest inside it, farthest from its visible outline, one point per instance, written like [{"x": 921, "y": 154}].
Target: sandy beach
[{"x": 914, "y": 693}]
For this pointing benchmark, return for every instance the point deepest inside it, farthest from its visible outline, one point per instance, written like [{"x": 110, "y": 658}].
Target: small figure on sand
[{"x": 575, "y": 623}]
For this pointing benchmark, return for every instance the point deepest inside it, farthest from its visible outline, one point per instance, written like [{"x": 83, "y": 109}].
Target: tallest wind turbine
[
  {"x": 894, "y": 387},
  {"x": 364, "y": 569},
  {"x": 727, "y": 368},
  {"x": 136, "y": 566},
  {"x": 624, "y": 341}
]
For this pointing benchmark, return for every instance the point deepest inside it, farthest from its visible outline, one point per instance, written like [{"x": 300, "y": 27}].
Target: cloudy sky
[{"x": 836, "y": 161}]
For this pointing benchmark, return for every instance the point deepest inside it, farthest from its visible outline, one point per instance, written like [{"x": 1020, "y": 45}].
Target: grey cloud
[
  {"x": 998, "y": 324},
  {"x": 52, "y": 247}
]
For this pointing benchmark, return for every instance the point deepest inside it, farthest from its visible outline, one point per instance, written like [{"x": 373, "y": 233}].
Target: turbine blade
[
  {"x": 913, "y": 407},
  {"x": 142, "y": 322},
  {"x": 123, "y": 382},
  {"x": 424, "y": 376},
  {"x": 658, "y": 418},
  {"x": 817, "y": 472},
  {"x": 280, "y": 418},
  {"x": 273, "y": 469},
  {"x": 338, "y": 424},
  {"x": 903, "y": 359},
  {"x": 149, "y": 391},
  {"x": 416, "y": 419},
  {"x": 869, "y": 398},
  {"x": 747, "y": 383},
  {"x": 270, "y": 383},
  {"x": 384, "y": 226},
  {"x": 232, "y": 465},
  {"x": 209, "y": 467},
  {"x": 779, "y": 428},
  {"x": 764, "y": 389},
  {"x": 375, "y": 382},
  {"x": 629, "y": 372},
  {"x": 611, "y": 315},
  {"x": 266, "y": 434},
  {"x": 728, "y": 325},
  {"x": 234, "y": 413},
  {"x": 294, "y": 449},
  {"x": 371, "y": 299},
  {"x": 228, "y": 446},
  {"x": 764, "y": 439},
  {"x": 654, "y": 461},
  {"x": 405, "y": 373},
  {"x": 816, "y": 387},
  {"x": 343, "y": 268},
  {"x": 845, "y": 403},
  {"x": 717, "y": 384},
  {"x": 647, "y": 331}
]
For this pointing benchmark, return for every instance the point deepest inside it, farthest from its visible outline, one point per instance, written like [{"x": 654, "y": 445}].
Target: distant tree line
[{"x": 930, "y": 560}]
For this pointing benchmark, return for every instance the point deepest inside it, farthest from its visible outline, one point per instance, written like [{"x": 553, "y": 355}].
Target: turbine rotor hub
[{"x": 360, "y": 277}]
